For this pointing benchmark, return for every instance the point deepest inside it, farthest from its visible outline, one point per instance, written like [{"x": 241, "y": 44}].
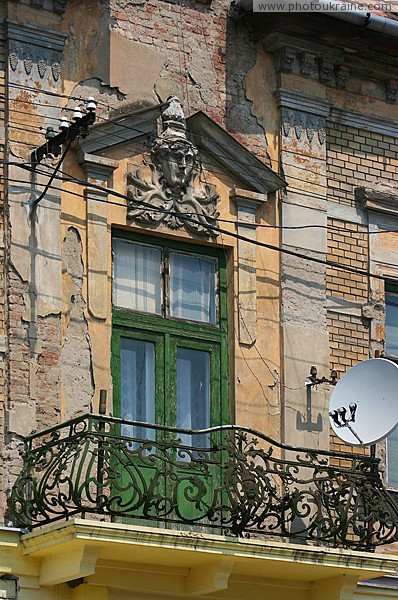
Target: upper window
[
  {"x": 169, "y": 348},
  {"x": 391, "y": 300},
  {"x": 162, "y": 281},
  {"x": 391, "y": 351}
]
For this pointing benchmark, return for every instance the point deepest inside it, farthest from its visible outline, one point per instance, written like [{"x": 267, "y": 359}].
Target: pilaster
[
  {"x": 247, "y": 204},
  {"x": 305, "y": 338},
  {"x": 97, "y": 171}
]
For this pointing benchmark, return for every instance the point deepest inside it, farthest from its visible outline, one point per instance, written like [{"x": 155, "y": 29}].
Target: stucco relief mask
[{"x": 174, "y": 195}]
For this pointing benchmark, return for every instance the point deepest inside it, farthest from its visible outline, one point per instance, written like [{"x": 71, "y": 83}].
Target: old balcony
[{"x": 226, "y": 480}]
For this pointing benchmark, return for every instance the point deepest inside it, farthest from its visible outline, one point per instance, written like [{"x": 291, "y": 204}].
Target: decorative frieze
[
  {"x": 284, "y": 59},
  {"x": 173, "y": 196},
  {"x": 332, "y": 66},
  {"x": 391, "y": 90},
  {"x": 342, "y": 74},
  {"x": 325, "y": 70},
  {"x": 307, "y": 64},
  {"x": 33, "y": 51},
  {"x": 57, "y": 6},
  {"x": 310, "y": 64},
  {"x": 303, "y": 125},
  {"x": 30, "y": 59}
]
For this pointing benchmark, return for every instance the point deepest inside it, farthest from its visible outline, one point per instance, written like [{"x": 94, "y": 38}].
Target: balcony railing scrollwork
[{"x": 228, "y": 479}]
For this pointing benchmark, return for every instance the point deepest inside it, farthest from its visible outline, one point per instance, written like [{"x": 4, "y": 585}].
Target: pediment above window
[
  {"x": 170, "y": 190},
  {"x": 380, "y": 198}
]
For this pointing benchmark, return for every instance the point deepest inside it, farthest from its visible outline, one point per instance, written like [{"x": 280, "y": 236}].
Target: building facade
[{"x": 181, "y": 264}]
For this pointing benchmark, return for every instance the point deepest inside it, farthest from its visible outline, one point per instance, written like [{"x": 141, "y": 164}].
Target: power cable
[
  {"x": 69, "y": 178},
  {"x": 207, "y": 163},
  {"x": 52, "y": 177},
  {"x": 237, "y": 236},
  {"x": 175, "y": 213},
  {"x": 143, "y": 110}
]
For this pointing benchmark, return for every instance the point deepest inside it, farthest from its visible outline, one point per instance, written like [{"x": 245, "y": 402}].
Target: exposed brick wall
[
  {"x": 349, "y": 341},
  {"x": 356, "y": 157},
  {"x": 208, "y": 57},
  {"x": 349, "y": 336},
  {"x": 349, "y": 344},
  {"x": 2, "y": 288},
  {"x": 347, "y": 245}
]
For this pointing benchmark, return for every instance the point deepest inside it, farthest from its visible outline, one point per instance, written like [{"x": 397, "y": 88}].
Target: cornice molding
[
  {"x": 303, "y": 102},
  {"x": 30, "y": 46},
  {"x": 303, "y": 114},
  {"x": 56, "y": 6},
  {"x": 365, "y": 121},
  {"x": 329, "y": 65},
  {"x": 44, "y": 540},
  {"x": 381, "y": 199},
  {"x": 35, "y": 36}
]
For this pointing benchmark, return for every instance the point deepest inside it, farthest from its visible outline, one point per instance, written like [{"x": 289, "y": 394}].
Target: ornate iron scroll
[
  {"x": 228, "y": 478},
  {"x": 174, "y": 195}
]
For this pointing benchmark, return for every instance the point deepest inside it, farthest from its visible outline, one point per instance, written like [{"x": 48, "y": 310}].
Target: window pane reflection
[
  {"x": 193, "y": 394},
  {"x": 392, "y": 323},
  {"x": 192, "y": 288},
  {"x": 137, "y": 277},
  {"x": 137, "y": 386}
]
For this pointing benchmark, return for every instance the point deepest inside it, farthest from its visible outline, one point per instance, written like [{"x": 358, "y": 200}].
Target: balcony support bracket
[
  {"x": 68, "y": 566},
  {"x": 334, "y": 588},
  {"x": 209, "y": 578}
]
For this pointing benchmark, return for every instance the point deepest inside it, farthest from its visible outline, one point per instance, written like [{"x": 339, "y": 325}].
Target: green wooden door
[
  {"x": 169, "y": 368},
  {"x": 173, "y": 381},
  {"x": 138, "y": 396}
]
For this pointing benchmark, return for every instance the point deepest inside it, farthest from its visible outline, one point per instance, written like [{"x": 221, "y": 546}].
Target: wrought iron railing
[{"x": 229, "y": 479}]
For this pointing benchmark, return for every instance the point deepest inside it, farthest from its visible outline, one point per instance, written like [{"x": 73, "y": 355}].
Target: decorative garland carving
[
  {"x": 56, "y": 70},
  {"x": 28, "y": 64},
  {"x": 303, "y": 124},
  {"x": 31, "y": 57},
  {"x": 174, "y": 189},
  {"x": 13, "y": 58},
  {"x": 41, "y": 67}
]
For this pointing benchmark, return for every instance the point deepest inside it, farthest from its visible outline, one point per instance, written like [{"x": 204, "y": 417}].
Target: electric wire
[
  {"x": 53, "y": 175},
  {"x": 122, "y": 125},
  {"x": 281, "y": 227},
  {"x": 100, "y": 103},
  {"x": 175, "y": 213},
  {"x": 282, "y": 250},
  {"x": 139, "y": 147},
  {"x": 207, "y": 163}
]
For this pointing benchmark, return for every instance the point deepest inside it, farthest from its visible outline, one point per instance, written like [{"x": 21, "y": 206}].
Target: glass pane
[
  {"x": 193, "y": 394},
  {"x": 137, "y": 386},
  {"x": 137, "y": 277},
  {"x": 391, "y": 323},
  {"x": 192, "y": 288},
  {"x": 392, "y": 459}
]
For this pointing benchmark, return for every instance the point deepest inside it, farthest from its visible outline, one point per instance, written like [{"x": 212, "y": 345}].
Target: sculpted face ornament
[{"x": 175, "y": 194}]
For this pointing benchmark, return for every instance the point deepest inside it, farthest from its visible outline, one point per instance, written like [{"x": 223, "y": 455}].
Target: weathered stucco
[{"x": 76, "y": 351}]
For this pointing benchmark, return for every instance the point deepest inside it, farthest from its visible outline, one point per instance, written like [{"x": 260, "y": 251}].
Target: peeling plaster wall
[
  {"x": 196, "y": 53},
  {"x": 76, "y": 362},
  {"x": 2, "y": 256},
  {"x": 33, "y": 241}
]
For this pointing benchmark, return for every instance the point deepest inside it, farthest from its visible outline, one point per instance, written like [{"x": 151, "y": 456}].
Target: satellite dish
[{"x": 364, "y": 405}]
